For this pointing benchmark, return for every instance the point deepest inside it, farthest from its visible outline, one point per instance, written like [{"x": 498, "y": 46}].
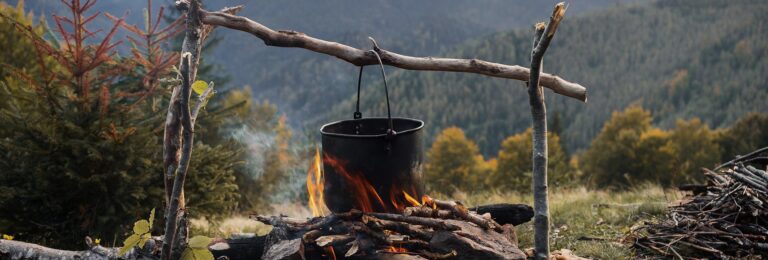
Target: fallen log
[
  {"x": 251, "y": 247},
  {"x": 11, "y": 249},
  {"x": 505, "y": 213}
]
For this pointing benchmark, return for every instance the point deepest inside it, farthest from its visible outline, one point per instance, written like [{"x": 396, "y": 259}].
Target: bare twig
[
  {"x": 742, "y": 158},
  {"x": 360, "y": 57}
]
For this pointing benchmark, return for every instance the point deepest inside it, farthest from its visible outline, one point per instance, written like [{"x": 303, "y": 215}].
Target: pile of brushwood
[{"x": 726, "y": 218}]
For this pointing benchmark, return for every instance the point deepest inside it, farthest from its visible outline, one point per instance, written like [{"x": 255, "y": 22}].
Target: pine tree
[{"x": 81, "y": 136}]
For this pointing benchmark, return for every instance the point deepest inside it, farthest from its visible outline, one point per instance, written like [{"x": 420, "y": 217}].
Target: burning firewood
[
  {"x": 427, "y": 212},
  {"x": 727, "y": 219},
  {"x": 460, "y": 211},
  {"x": 448, "y": 231}
]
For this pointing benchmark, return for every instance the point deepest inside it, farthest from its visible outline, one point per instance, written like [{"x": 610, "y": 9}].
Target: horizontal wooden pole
[{"x": 360, "y": 57}]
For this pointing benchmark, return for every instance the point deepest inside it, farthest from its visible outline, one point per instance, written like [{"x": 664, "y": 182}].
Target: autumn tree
[
  {"x": 747, "y": 134},
  {"x": 629, "y": 150},
  {"x": 514, "y": 163},
  {"x": 693, "y": 145},
  {"x": 454, "y": 163},
  {"x": 612, "y": 154},
  {"x": 652, "y": 160}
]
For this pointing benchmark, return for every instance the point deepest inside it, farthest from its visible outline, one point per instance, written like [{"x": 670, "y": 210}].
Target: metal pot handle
[{"x": 357, "y": 114}]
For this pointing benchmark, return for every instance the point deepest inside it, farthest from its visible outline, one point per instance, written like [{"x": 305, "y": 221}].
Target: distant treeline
[
  {"x": 628, "y": 151},
  {"x": 676, "y": 58}
]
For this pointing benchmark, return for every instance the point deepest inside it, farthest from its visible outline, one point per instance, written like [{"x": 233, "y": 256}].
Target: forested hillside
[
  {"x": 302, "y": 83},
  {"x": 306, "y": 85},
  {"x": 679, "y": 59}
]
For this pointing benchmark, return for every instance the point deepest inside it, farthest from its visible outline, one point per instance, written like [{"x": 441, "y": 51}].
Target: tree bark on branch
[
  {"x": 23, "y": 250},
  {"x": 360, "y": 57},
  {"x": 179, "y": 128},
  {"x": 172, "y": 136},
  {"x": 542, "y": 37}
]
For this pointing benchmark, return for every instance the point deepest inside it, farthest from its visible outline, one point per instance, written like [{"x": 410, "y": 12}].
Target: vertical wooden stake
[{"x": 542, "y": 37}]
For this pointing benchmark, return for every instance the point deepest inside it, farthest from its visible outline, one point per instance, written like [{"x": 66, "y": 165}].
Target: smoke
[
  {"x": 257, "y": 143},
  {"x": 291, "y": 185}
]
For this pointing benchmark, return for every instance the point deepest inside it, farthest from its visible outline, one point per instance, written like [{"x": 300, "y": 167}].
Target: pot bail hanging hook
[
  {"x": 357, "y": 114},
  {"x": 391, "y": 131}
]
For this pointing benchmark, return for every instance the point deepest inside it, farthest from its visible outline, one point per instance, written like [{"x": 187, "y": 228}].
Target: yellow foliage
[
  {"x": 454, "y": 162},
  {"x": 198, "y": 249},
  {"x": 694, "y": 145},
  {"x": 515, "y": 163},
  {"x": 629, "y": 151},
  {"x": 141, "y": 234}
]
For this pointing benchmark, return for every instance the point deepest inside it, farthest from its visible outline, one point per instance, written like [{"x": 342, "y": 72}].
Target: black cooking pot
[{"x": 384, "y": 154}]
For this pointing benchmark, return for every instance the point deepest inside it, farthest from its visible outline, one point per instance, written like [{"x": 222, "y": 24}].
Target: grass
[
  {"x": 578, "y": 212},
  {"x": 575, "y": 213}
]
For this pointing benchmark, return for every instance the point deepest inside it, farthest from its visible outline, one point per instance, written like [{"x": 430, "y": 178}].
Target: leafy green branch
[
  {"x": 141, "y": 234},
  {"x": 197, "y": 249}
]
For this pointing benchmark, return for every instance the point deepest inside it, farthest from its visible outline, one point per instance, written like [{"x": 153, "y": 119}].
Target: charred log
[{"x": 504, "y": 213}]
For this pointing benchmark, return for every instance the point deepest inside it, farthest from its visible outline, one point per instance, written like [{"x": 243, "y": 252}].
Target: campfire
[
  {"x": 367, "y": 197},
  {"x": 392, "y": 226},
  {"x": 366, "y": 194}
]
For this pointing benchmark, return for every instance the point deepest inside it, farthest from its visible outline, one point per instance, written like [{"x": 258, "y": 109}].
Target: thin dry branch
[{"x": 360, "y": 57}]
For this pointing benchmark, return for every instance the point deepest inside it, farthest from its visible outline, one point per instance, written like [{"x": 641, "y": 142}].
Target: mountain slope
[
  {"x": 302, "y": 83},
  {"x": 678, "y": 58}
]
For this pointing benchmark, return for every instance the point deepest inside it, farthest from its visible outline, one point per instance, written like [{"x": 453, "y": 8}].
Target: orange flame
[
  {"x": 396, "y": 249},
  {"x": 315, "y": 187},
  {"x": 367, "y": 198},
  {"x": 410, "y": 199},
  {"x": 364, "y": 193},
  {"x": 427, "y": 200},
  {"x": 329, "y": 250}
]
